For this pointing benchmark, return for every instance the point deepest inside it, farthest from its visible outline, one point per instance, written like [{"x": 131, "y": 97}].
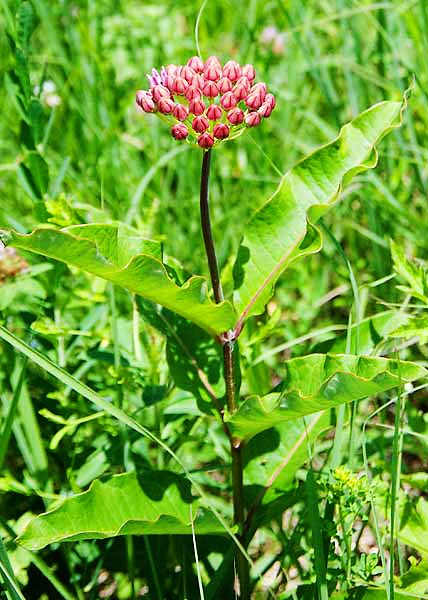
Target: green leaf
[
  {"x": 273, "y": 457},
  {"x": 414, "y": 526},
  {"x": 22, "y": 73},
  {"x": 377, "y": 594},
  {"x": 151, "y": 503},
  {"x": 367, "y": 334},
  {"x": 25, "y": 24},
  {"x": 415, "y": 327},
  {"x": 280, "y": 232},
  {"x": 119, "y": 254},
  {"x": 26, "y": 290},
  {"x": 36, "y": 120},
  {"x": 194, "y": 358},
  {"x": 412, "y": 272},
  {"x": 320, "y": 381},
  {"x": 415, "y": 580},
  {"x": 418, "y": 480},
  {"x": 34, "y": 173}
]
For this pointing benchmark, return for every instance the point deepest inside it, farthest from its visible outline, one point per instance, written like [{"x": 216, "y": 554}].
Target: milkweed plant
[{"x": 206, "y": 104}]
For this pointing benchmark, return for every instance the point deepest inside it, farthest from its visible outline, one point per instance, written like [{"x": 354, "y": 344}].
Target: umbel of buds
[{"x": 205, "y": 102}]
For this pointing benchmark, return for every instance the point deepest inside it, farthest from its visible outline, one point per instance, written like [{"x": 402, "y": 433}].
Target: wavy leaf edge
[
  {"x": 273, "y": 399},
  {"x": 195, "y": 505},
  {"x": 370, "y": 163},
  {"x": 198, "y": 282}
]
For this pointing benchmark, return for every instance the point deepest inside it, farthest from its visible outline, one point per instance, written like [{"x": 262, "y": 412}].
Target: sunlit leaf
[
  {"x": 414, "y": 526},
  {"x": 412, "y": 272},
  {"x": 415, "y": 580},
  {"x": 279, "y": 232},
  {"x": 320, "y": 381},
  {"x": 119, "y": 254},
  {"x": 415, "y": 327},
  {"x": 159, "y": 503},
  {"x": 377, "y": 594},
  {"x": 366, "y": 335}
]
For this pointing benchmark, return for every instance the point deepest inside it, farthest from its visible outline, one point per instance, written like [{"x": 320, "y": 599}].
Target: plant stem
[
  {"x": 242, "y": 566},
  {"x": 206, "y": 228}
]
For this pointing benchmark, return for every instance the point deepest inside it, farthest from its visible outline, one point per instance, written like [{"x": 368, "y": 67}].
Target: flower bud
[
  {"x": 214, "y": 112},
  {"x": 232, "y": 70},
  {"x": 265, "y": 110},
  {"x": 160, "y": 91},
  {"x": 228, "y": 101},
  {"x": 192, "y": 92},
  {"x": 213, "y": 60},
  {"x": 259, "y": 88},
  {"x": 197, "y": 81},
  {"x": 200, "y": 124},
  {"x": 180, "y": 112},
  {"x": 235, "y": 116},
  {"x": 166, "y": 105},
  {"x": 210, "y": 89},
  {"x": 255, "y": 99},
  {"x": 197, "y": 106},
  {"x": 270, "y": 99},
  {"x": 154, "y": 78},
  {"x": 188, "y": 73},
  {"x": 221, "y": 131},
  {"x": 245, "y": 82},
  {"x": 249, "y": 72},
  {"x": 241, "y": 89},
  {"x": 179, "y": 85},
  {"x": 205, "y": 140},
  {"x": 170, "y": 79},
  {"x": 164, "y": 75},
  {"x": 253, "y": 119},
  {"x": 145, "y": 101},
  {"x": 212, "y": 71},
  {"x": 179, "y": 131},
  {"x": 196, "y": 64},
  {"x": 224, "y": 85}
]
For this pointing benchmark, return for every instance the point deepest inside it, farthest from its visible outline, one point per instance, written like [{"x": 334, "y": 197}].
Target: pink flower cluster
[{"x": 205, "y": 101}]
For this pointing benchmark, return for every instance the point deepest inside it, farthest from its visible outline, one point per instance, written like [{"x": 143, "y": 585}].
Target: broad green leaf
[
  {"x": 194, "y": 358},
  {"x": 320, "y": 381},
  {"x": 153, "y": 503},
  {"x": 414, "y": 526},
  {"x": 273, "y": 457},
  {"x": 117, "y": 253},
  {"x": 280, "y": 232}
]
